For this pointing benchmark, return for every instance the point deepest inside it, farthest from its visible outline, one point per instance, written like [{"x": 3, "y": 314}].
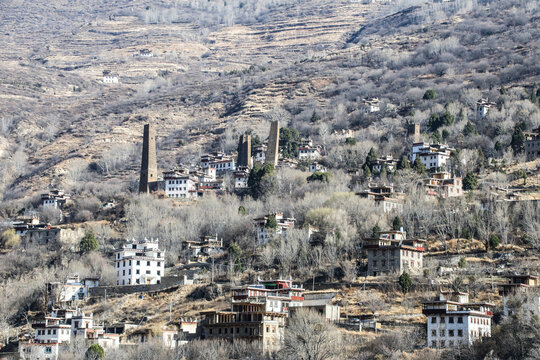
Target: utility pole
[{"x": 212, "y": 281}]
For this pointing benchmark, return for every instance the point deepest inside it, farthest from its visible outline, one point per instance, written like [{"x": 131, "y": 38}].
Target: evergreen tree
[
  {"x": 261, "y": 180},
  {"x": 289, "y": 140},
  {"x": 384, "y": 172},
  {"x": 419, "y": 166},
  {"x": 397, "y": 224},
  {"x": 367, "y": 172},
  {"x": 271, "y": 222},
  {"x": 376, "y": 231},
  {"x": 371, "y": 156},
  {"x": 405, "y": 282},
  {"x": 89, "y": 242},
  {"x": 436, "y": 136},
  {"x": 445, "y": 134},
  {"x": 235, "y": 250},
  {"x": 469, "y": 129},
  {"x": 481, "y": 159},
  {"x": 403, "y": 163},
  {"x": 518, "y": 138},
  {"x": 470, "y": 182},
  {"x": 315, "y": 117}
]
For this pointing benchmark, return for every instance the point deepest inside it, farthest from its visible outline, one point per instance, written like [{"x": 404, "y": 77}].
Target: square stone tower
[
  {"x": 272, "y": 153},
  {"x": 148, "y": 181},
  {"x": 244, "y": 151}
]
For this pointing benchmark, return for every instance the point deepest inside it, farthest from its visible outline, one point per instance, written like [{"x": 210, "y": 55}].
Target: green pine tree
[
  {"x": 470, "y": 182},
  {"x": 397, "y": 223},
  {"x": 405, "y": 282},
  {"x": 89, "y": 242}
]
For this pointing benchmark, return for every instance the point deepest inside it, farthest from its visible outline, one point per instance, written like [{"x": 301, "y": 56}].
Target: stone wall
[{"x": 167, "y": 282}]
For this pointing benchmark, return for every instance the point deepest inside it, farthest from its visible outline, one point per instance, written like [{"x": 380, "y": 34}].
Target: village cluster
[{"x": 259, "y": 312}]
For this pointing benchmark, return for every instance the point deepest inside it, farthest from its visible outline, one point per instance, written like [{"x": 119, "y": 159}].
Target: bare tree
[{"x": 309, "y": 337}]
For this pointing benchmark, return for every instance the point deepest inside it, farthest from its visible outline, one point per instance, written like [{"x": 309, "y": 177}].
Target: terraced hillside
[{"x": 219, "y": 69}]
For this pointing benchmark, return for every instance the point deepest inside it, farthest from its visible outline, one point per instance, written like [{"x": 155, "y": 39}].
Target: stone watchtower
[
  {"x": 148, "y": 181},
  {"x": 244, "y": 151},
  {"x": 272, "y": 153}
]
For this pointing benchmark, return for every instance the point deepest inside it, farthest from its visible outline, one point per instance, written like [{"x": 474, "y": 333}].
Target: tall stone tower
[
  {"x": 244, "y": 151},
  {"x": 414, "y": 131},
  {"x": 272, "y": 152},
  {"x": 148, "y": 181}
]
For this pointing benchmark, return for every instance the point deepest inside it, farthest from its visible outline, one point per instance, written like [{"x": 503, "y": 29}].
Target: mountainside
[{"x": 220, "y": 69}]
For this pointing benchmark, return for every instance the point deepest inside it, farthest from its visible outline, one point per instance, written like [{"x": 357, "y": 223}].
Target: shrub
[
  {"x": 271, "y": 223},
  {"x": 320, "y": 176},
  {"x": 94, "y": 352},
  {"x": 494, "y": 241},
  {"x": 430, "y": 94},
  {"x": 9, "y": 239},
  {"x": 350, "y": 141}
]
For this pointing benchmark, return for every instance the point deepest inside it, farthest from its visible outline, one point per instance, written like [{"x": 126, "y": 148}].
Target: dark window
[
  {"x": 433, "y": 320},
  {"x": 451, "y": 320},
  {"x": 460, "y": 320}
]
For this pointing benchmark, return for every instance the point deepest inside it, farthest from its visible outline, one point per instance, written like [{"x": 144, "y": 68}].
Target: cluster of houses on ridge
[{"x": 259, "y": 313}]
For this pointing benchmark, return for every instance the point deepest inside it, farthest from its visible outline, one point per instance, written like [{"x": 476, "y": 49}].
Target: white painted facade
[
  {"x": 259, "y": 153},
  {"x": 453, "y": 321},
  {"x": 110, "y": 79},
  {"x": 219, "y": 161},
  {"x": 38, "y": 351},
  {"x": 371, "y": 105},
  {"x": 180, "y": 185},
  {"x": 72, "y": 290},
  {"x": 483, "y": 106},
  {"x": 54, "y": 333},
  {"x": 433, "y": 156},
  {"x": 456, "y": 328},
  {"x": 264, "y": 234},
  {"x": 241, "y": 179},
  {"x": 315, "y": 166},
  {"x": 139, "y": 262}
]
